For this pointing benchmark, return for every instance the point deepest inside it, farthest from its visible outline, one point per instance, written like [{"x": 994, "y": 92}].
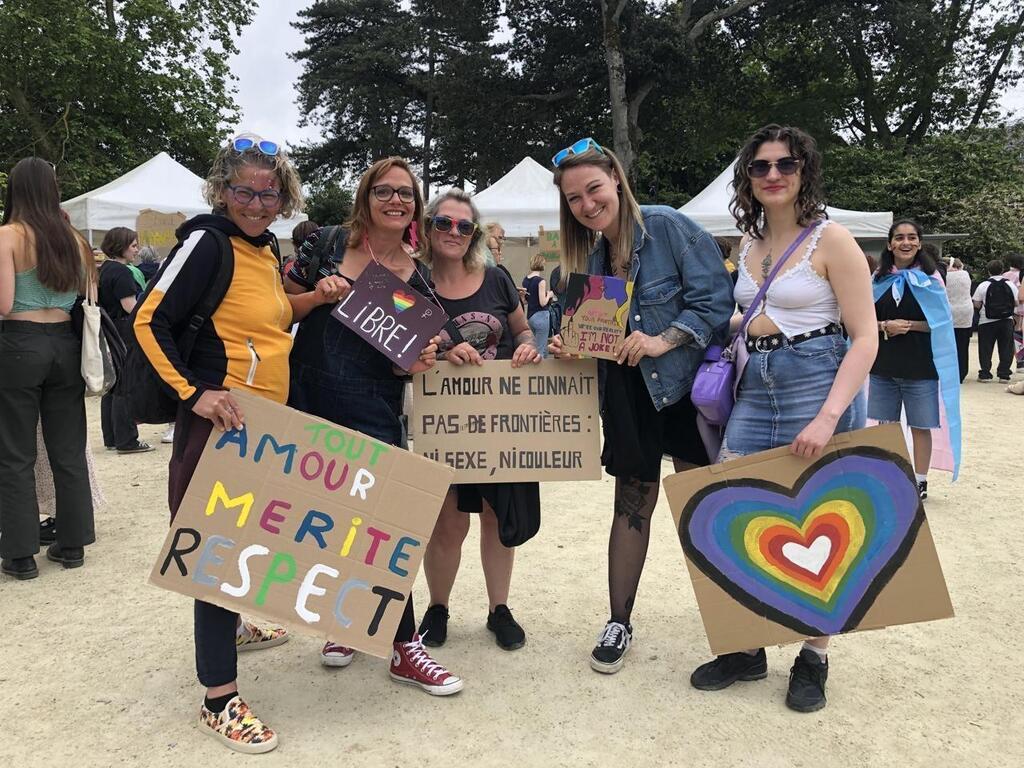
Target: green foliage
[
  {"x": 329, "y": 204},
  {"x": 97, "y": 94}
]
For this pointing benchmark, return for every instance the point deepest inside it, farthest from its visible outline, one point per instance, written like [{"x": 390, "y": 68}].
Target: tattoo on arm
[
  {"x": 631, "y": 502},
  {"x": 526, "y": 337},
  {"x": 675, "y": 337}
]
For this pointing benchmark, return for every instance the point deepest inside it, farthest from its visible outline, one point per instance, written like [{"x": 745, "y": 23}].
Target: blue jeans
[
  {"x": 540, "y": 323},
  {"x": 919, "y": 397},
  {"x": 782, "y": 391}
]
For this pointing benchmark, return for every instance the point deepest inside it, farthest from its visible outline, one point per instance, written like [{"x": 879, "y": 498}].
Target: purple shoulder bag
[{"x": 717, "y": 379}]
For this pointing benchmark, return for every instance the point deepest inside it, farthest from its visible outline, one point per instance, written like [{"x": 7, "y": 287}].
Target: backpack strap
[
  {"x": 214, "y": 294},
  {"x": 330, "y": 247}
]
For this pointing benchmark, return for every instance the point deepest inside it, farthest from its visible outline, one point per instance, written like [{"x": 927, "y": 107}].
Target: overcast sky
[{"x": 267, "y": 76}]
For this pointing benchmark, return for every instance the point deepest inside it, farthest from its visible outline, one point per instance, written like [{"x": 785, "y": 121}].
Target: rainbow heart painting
[
  {"x": 812, "y": 557},
  {"x": 402, "y": 300}
]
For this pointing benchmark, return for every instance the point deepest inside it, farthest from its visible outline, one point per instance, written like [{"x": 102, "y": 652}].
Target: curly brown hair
[
  {"x": 810, "y": 201},
  {"x": 229, "y": 162}
]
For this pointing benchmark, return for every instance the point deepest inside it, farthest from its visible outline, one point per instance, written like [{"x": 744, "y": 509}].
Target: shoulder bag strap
[{"x": 749, "y": 314}]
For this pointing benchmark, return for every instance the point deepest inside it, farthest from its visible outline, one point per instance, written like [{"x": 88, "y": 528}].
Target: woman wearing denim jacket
[
  {"x": 801, "y": 382},
  {"x": 681, "y": 298}
]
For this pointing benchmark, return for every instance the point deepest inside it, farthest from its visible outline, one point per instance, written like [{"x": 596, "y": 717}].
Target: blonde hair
[
  {"x": 576, "y": 240},
  {"x": 229, "y": 162},
  {"x": 537, "y": 262},
  {"x": 359, "y": 221},
  {"x": 474, "y": 259}
]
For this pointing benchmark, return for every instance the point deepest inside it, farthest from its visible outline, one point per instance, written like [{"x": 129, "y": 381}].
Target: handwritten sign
[
  {"x": 306, "y": 523},
  {"x": 157, "y": 229},
  {"x": 393, "y": 318},
  {"x": 495, "y": 423},
  {"x": 548, "y": 243},
  {"x": 594, "y": 320}
]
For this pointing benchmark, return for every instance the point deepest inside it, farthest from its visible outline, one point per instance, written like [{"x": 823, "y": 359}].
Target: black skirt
[
  {"x": 637, "y": 435},
  {"x": 516, "y": 505}
]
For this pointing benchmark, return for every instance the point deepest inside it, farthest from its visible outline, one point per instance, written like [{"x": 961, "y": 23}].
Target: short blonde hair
[
  {"x": 474, "y": 260},
  {"x": 229, "y": 162},
  {"x": 538, "y": 262}
]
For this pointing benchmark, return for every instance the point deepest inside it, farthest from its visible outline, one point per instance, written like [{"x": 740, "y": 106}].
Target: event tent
[
  {"x": 160, "y": 184},
  {"x": 710, "y": 209},
  {"x": 522, "y": 200}
]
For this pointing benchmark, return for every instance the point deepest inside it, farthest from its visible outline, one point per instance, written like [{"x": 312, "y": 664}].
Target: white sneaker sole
[
  {"x": 433, "y": 690},
  {"x": 336, "y": 660},
  {"x": 265, "y": 644},
  {"x": 240, "y": 746},
  {"x": 607, "y": 669}
]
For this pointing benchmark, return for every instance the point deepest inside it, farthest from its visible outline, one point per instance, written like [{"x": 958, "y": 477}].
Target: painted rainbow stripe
[{"x": 402, "y": 301}]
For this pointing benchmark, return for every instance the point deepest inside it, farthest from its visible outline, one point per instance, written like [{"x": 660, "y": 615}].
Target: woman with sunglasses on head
[
  {"x": 43, "y": 269},
  {"x": 487, "y": 323},
  {"x": 244, "y": 345},
  {"x": 801, "y": 381},
  {"x": 338, "y": 376},
  {"x": 681, "y": 301}
]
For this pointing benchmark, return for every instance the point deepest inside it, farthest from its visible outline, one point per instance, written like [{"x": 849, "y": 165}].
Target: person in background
[
  {"x": 995, "y": 323},
  {"x": 118, "y": 293},
  {"x": 300, "y": 232},
  {"x": 493, "y": 244},
  {"x": 1014, "y": 267},
  {"x": 958, "y": 291},
  {"x": 537, "y": 299},
  {"x": 43, "y": 268},
  {"x": 149, "y": 262},
  {"x": 932, "y": 252}
]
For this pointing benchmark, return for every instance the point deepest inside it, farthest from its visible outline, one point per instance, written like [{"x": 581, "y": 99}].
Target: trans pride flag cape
[{"x": 932, "y": 297}]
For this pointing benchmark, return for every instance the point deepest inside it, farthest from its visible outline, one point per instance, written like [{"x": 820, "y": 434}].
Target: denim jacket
[{"x": 680, "y": 280}]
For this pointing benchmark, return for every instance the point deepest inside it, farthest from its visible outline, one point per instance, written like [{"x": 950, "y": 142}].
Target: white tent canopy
[
  {"x": 710, "y": 209},
  {"x": 522, "y": 200},
  {"x": 161, "y": 184}
]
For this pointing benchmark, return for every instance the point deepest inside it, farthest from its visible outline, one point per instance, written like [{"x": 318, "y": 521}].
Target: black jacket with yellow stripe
[{"x": 246, "y": 342}]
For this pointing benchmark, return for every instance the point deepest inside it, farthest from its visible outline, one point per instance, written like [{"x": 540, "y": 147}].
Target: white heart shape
[{"x": 812, "y": 558}]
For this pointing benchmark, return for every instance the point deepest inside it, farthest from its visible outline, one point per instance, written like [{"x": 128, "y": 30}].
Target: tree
[
  {"x": 98, "y": 86},
  {"x": 328, "y": 203}
]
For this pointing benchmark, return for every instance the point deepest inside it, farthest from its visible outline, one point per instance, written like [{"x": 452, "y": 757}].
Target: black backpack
[
  {"x": 1000, "y": 300},
  {"x": 151, "y": 401}
]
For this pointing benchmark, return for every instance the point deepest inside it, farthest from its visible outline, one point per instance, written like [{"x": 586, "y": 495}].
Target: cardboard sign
[
  {"x": 781, "y": 548},
  {"x": 495, "y": 423},
  {"x": 305, "y": 523},
  {"x": 157, "y": 229},
  {"x": 595, "y": 315},
  {"x": 393, "y": 318},
  {"x": 549, "y": 244}
]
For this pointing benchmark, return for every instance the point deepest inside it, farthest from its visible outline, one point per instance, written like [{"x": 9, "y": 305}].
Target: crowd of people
[{"x": 831, "y": 342}]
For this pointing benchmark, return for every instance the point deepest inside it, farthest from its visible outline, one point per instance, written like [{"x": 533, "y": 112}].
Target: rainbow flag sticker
[{"x": 402, "y": 300}]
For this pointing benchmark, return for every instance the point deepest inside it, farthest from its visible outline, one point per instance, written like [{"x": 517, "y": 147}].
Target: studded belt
[{"x": 780, "y": 340}]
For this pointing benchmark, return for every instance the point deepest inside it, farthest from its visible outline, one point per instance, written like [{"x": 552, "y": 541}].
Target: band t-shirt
[
  {"x": 908, "y": 355},
  {"x": 482, "y": 318},
  {"x": 116, "y": 283}
]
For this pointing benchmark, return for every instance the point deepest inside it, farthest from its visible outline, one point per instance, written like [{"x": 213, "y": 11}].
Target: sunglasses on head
[
  {"x": 384, "y": 192},
  {"x": 245, "y": 143},
  {"x": 787, "y": 166},
  {"x": 464, "y": 227},
  {"x": 578, "y": 148}
]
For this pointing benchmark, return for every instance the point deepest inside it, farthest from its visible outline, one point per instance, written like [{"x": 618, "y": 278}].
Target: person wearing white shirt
[
  {"x": 958, "y": 290},
  {"x": 995, "y": 324}
]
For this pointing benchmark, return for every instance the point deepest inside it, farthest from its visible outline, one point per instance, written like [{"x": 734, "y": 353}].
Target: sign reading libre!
[
  {"x": 389, "y": 315},
  {"x": 306, "y": 523},
  {"x": 594, "y": 318},
  {"x": 495, "y": 423},
  {"x": 779, "y": 548}
]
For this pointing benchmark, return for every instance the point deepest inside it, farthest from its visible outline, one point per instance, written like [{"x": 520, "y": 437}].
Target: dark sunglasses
[
  {"x": 245, "y": 195},
  {"x": 578, "y": 148},
  {"x": 787, "y": 166},
  {"x": 384, "y": 192},
  {"x": 465, "y": 227},
  {"x": 245, "y": 143}
]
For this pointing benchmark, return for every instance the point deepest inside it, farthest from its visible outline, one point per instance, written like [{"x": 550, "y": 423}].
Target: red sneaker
[
  {"x": 410, "y": 663},
  {"x": 336, "y": 655}
]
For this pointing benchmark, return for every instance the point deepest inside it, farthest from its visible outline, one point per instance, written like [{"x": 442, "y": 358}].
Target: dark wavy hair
[
  {"x": 810, "y": 201},
  {"x": 924, "y": 260}
]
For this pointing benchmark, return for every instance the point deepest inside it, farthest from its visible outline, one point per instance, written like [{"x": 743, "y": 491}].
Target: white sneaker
[
  {"x": 332, "y": 655},
  {"x": 168, "y": 435}
]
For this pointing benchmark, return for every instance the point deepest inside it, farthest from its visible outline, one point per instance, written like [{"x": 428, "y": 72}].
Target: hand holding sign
[{"x": 331, "y": 289}]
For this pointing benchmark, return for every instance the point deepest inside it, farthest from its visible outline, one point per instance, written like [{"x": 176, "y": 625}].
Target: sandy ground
[{"x": 97, "y": 668}]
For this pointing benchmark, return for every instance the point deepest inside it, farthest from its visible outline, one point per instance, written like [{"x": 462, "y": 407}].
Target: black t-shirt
[
  {"x": 116, "y": 283},
  {"x": 532, "y": 286},
  {"x": 482, "y": 318},
  {"x": 909, "y": 355}
]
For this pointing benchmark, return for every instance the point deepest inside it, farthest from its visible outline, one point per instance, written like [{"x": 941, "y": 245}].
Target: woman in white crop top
[{"x": 801, "y": 381}]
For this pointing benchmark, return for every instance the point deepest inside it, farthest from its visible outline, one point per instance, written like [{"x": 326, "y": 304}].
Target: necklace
[{"x": 766, "y": 264}]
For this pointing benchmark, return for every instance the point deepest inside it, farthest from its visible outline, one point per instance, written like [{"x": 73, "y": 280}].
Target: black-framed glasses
[
  {"x": 270, "y": 198},
  {"x": 787, "y": 166},
  {"x": 464, "y": 227},
  {"x": 244, "y": 143},
  {"x": 384, "y": 193}
]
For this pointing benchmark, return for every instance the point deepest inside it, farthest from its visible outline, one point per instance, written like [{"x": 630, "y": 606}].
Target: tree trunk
[
  {"x": 428, "y": 124},
  {"x": 616, "y": 62},
  {"x": 111, "y": 20}
]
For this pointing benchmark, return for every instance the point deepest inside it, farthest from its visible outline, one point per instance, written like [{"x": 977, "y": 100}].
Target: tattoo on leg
[{"x": 631, "y": 501}]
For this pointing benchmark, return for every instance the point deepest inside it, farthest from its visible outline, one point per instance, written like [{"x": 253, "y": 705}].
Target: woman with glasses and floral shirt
[
  {"x": 681, "y": 300},
  {"x": 338, "y": 376}
]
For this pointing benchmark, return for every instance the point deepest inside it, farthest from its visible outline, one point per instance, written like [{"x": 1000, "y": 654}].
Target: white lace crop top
[{"x": 799, "y": 299}]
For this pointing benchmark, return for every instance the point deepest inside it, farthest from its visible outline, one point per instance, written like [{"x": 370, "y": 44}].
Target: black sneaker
[
  {"x": 434, "y": 627},
  {"x": 612, "y": 644},
  {"x": 922, "y": 489},
  {"x": 21, "y": 568},
  {"x": 507, "y": 633},
  {"x": 807, "y": 682},
  {"x": 47, "y": 531},
  {"x": 137, "y": 447},
  {"x": 69, "y": 557},
  {"x": 726, "y": 669}
]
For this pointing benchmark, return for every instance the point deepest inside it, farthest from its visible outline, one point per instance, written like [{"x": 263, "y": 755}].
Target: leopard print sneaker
[
  {"x": 252, "y": 637},
  {"x": 238, "y": 728}
]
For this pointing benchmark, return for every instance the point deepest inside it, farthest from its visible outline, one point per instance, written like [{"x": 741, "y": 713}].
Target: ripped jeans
[{"x": 782, "y": 391}]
